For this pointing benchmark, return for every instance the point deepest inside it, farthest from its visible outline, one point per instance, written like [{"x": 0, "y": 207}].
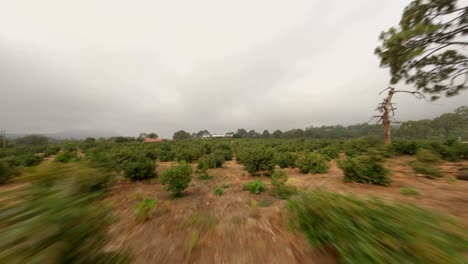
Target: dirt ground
[{"x": 239, "y": 227}]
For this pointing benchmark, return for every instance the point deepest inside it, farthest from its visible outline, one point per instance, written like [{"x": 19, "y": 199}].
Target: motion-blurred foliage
[
  {"x": 371, "y": 231},
  {"x": 58, "y": 218}
]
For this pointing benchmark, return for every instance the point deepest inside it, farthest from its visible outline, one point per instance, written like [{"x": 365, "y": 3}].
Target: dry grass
[{"x": 233, "y": 229}]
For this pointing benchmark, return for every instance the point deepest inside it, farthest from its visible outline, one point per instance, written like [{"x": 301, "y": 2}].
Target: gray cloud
[{"x": 217, "y": 65}]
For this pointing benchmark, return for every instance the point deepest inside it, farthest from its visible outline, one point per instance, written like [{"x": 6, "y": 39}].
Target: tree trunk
[{"x": 386, "y": 117}]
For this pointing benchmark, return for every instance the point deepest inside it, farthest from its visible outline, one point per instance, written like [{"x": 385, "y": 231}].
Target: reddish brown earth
[{"x": 203, "y": 228}]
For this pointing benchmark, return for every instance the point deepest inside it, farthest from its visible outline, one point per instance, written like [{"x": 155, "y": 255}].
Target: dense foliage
[
  {"x": 371, "y": 231},
  {"x": 257, "y": 159},
  {"x": 286, "y": 159},
  {"x": 426, "y": 49},
  {"x": 177, "y": 178},
  {"x": 6, "y": 172},
  {"x": 67, "y": 156},
  {"x": 312, "y": 163},
  {"x": 32, "y": 160},
  {"x": 425, "y": 155},
  {"x": 31, "y": 140},
  {"x": 365, "y": 169},
  {"x": 428, "y": 170},
  {"x": 138, "y": 169}
]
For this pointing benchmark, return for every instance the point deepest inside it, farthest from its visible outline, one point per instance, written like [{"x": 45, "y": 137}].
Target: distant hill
[
  {"x": 70, "y": 134},
  {"x": 82, "y": 134}
]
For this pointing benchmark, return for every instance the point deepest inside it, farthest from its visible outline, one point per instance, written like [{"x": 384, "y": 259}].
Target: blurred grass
[
  {"x": 371, "y": 231},
  {"x": 58, "y": 217},
  {"x": 409, "y": 191}
]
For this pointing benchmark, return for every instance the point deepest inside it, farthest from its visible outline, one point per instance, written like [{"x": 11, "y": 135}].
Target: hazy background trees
[
  {"x": 32, "y": 140},
  {"x": 181, "y": 135},
  {"x": 445, "y": 126}
]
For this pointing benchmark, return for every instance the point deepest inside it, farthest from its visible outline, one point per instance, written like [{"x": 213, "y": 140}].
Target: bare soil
[{"x": 239, "y": 227}]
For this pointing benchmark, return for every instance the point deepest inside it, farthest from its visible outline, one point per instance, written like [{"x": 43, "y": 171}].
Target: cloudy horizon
[{"x": 156, "y": 66}]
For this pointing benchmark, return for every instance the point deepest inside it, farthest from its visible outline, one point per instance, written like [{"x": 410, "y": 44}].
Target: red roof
[{"x": 153, "y": 140}]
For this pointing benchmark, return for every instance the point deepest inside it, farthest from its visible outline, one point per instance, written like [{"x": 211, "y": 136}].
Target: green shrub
[
  {"x": 225, "y": 185},
  {"x": 447, "y": 152},
  {"x": 371, "y": 231},
  {"x": 67, "y": 156},
  {"x": 177, "y": 178},
  {"x": 330, "y": 152},
  {"x": 356, "y": 147},
  {"x": 202, "y": 166},
  {"x": 13, "y": 161},
  {"x": 312, "y": 163},
  {"x": 144, "y": 210},
  {"x": 138, "y": 169},
  {"x": 461, "y": 150},
  {"x": 256, "y": 186},
  {"x": 365, "y": 169},
  {"x": 32, "y": 160},
  {"x": 165, "y": 152},
  {"x": 279, "y": 178},
  {"x": 6, "y": 172},
  {"x": 401, "y": 147},
  {"x": 224, "y": 150},
  {"x": 409, "y": 191},
  {"x": 258, "y": 159},
  {"x": 381, "y": 151},
  {"x": 428, "y": 170},
  {"x": 50, "y": 223},
  {"x": 286, "y": 159},
  {"x": 150, "y": 151},
  {"x": 211, "y": 161},
  {"x": 51, "y": 151},
  {"x": 187, "y": 153},
  {"x": 218, "y": 191},
  {"x": 428, "y": 156}
]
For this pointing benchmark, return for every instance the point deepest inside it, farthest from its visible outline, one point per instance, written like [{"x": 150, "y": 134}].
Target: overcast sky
[{"x": 133, "y": 66}]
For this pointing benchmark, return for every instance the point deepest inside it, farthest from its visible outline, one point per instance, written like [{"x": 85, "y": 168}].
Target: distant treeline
[
  {"x": 446, "y": 126},
  {"x": 449, "y": 125}
]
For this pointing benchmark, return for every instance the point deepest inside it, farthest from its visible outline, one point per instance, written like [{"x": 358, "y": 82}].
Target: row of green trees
[{"x": 448, "y": 125}]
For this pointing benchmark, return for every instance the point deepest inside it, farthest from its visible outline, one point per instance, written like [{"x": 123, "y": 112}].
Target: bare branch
[{"x": 386, "y": 89}]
